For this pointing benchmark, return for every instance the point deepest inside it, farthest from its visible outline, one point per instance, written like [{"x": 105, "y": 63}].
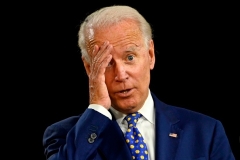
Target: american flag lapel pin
[{"x": 174, "y": 135}]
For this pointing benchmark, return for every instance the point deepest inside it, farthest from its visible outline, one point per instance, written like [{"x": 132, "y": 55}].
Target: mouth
[{"x": 124, "y": 93}]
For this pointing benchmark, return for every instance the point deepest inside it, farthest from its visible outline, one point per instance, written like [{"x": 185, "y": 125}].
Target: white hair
[{"x": 107, "y": 16}]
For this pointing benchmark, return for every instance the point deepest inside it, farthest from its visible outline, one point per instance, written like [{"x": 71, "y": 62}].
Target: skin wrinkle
[
  {"x": 91, "y": 42},
  {"x": 96, "y": 59},
  {"x": 121, "y": 73},
  {"x": 122, "y": 43}
]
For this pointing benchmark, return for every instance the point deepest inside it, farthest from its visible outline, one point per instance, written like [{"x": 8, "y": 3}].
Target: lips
[{"x": 124, "y": 93}]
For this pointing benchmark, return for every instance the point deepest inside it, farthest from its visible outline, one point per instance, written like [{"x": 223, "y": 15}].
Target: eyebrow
[{"x": 132, "y": 48}]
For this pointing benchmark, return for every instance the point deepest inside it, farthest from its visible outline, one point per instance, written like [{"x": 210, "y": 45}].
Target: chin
[{"x": 126, "y": 107}]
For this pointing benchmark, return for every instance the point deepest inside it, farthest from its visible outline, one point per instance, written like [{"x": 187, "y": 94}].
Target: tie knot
[{"x": 132, "y": 119}]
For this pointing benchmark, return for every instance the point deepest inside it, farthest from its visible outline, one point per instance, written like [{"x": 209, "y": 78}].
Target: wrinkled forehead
[{"x": 124, "y": 33}]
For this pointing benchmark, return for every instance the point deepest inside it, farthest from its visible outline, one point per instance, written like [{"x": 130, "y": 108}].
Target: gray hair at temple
[{"x": 110, "y": 15}]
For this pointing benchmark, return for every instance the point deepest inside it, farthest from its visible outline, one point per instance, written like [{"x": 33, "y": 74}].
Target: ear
[
  {"x": 86, "y": 65},
  {"x": 151, "y": 54}
]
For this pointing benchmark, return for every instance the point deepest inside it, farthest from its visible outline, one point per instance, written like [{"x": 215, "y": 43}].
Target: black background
[{"x": 196, "y": 62}]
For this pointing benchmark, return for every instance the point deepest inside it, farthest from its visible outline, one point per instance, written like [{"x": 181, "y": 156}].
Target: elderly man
[{"x": 124, "y": 119}]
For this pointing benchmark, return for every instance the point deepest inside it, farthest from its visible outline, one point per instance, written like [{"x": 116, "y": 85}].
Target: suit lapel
[{"x": 167, "y": 131}]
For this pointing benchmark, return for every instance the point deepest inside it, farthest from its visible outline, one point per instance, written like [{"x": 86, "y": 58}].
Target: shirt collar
[{"x": 147, "y": 111}]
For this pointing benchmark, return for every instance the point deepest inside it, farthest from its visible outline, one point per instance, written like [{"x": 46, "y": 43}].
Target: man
[{"x": 118, "y": 54}]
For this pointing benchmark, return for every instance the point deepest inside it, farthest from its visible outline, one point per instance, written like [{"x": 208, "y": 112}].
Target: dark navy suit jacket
[{"x": 93, "y": 136}]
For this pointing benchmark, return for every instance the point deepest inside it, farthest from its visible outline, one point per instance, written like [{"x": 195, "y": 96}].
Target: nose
[{"x": 120, "y": 72}]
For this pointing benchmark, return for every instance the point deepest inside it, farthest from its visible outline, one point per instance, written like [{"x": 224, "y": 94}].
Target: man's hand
[{"x": 100, "y": 59}]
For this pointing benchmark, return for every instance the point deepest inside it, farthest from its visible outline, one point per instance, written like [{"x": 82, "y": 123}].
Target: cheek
[
  {"x": 143, "y": 73},
  {"x": 140, "y": 74},
  {"x": 144, "y": 66}
]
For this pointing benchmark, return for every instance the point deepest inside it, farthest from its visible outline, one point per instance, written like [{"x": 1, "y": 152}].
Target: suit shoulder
[
  {"x": 192, "y": 113},
  {"x": 192, "y": 117},
  {"x": 178, "y": 111}
]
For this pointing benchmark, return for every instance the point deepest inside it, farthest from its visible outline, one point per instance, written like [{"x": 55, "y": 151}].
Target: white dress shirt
[{"x": 146, "y": 124}]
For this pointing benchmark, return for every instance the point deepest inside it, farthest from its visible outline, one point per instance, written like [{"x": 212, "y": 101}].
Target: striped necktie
[{"x": 134, "y": 138}]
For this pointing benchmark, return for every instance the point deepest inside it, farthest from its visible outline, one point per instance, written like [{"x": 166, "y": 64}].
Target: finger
[
  {"x": 100, "y": 65},
  {"x": 101, "y": 51},
  {"x": 100, "y": 70},
  {"x": 101, "y": 55},
  {"x": 94, "y": 52}
]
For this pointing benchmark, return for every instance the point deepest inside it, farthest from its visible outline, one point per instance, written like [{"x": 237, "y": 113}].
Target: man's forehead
[
  {"x": 127, "y": 44},
  {"x": 121, "y": 29},
  {"x": 123, "y": 37}
]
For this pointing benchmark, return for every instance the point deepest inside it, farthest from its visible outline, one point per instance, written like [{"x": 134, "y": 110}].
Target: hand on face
[{"x": 100, "y": 59}]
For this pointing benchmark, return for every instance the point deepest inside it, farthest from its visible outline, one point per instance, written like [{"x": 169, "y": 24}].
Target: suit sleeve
[
  {"x": 221, "y": 148},
  {"x": 76, "y": 137}
]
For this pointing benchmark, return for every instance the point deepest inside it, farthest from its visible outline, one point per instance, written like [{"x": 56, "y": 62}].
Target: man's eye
[{"x": 130, "y": 57}]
